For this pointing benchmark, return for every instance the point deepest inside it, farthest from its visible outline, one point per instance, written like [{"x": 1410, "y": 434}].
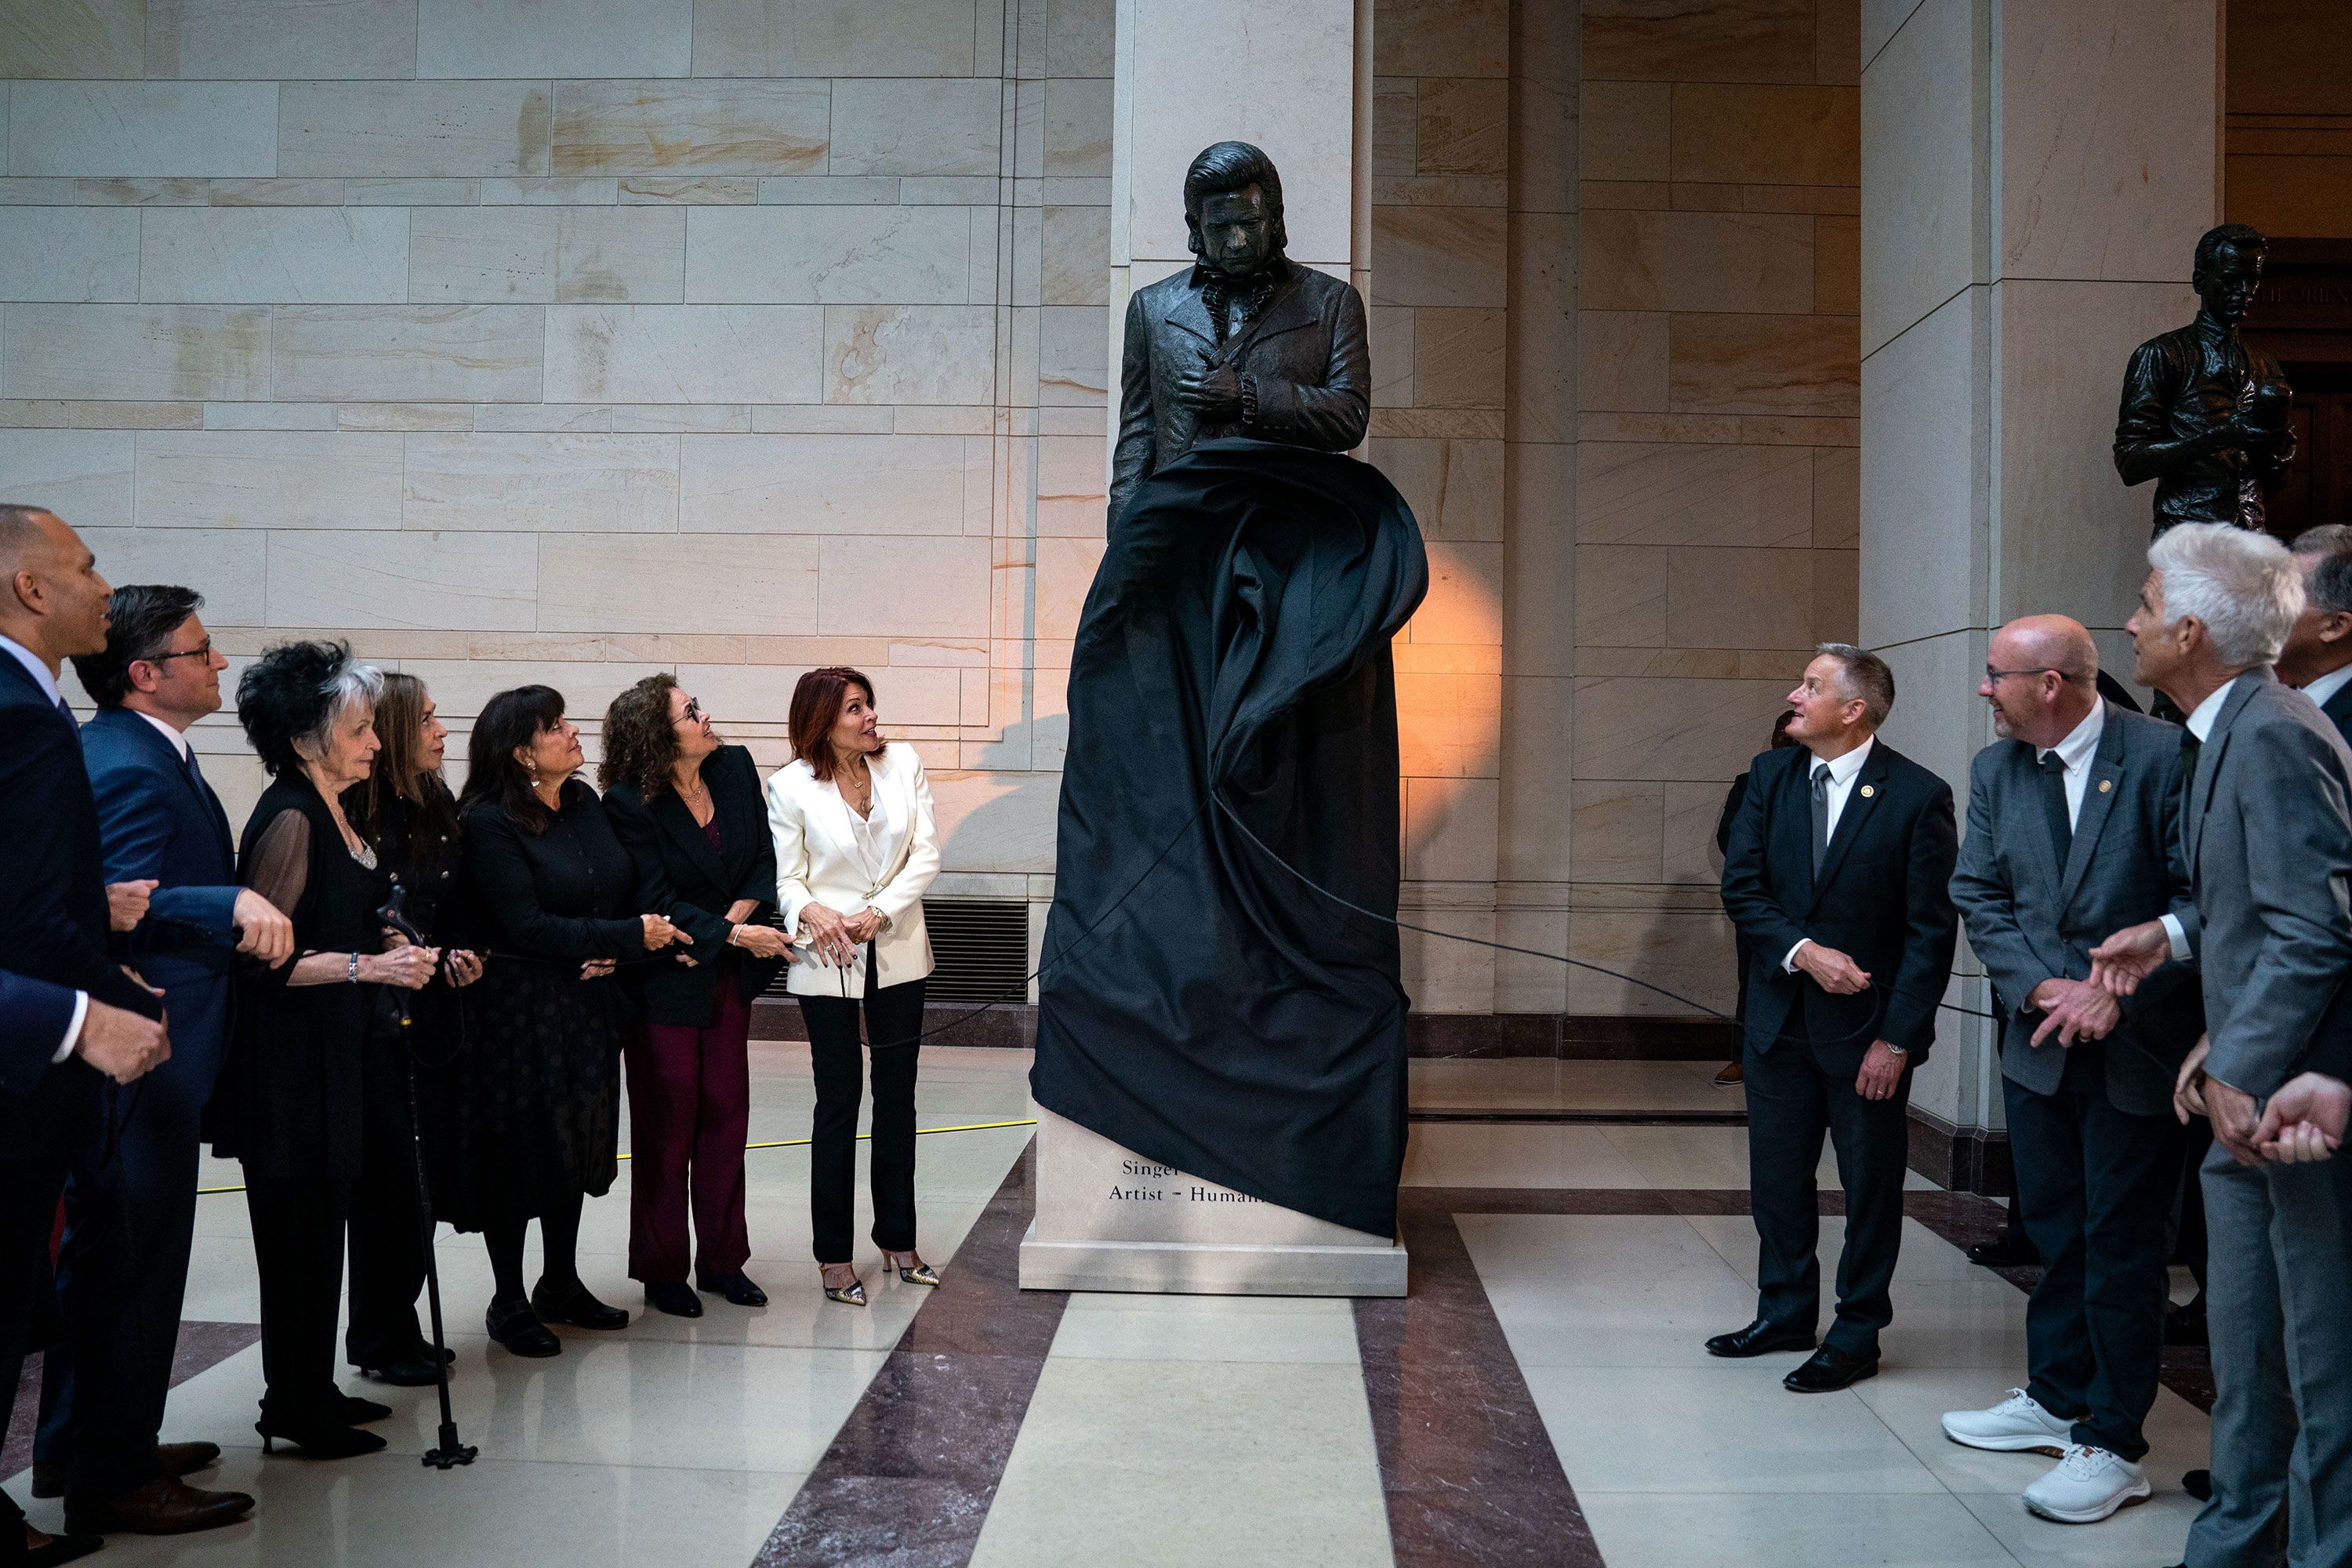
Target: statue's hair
[
  {"x": 2229, "y": 237},
  {"x": 1230, "y": 166}
]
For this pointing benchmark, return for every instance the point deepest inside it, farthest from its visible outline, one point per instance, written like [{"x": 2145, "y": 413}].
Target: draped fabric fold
[{"x": 1226, "y": 1020}]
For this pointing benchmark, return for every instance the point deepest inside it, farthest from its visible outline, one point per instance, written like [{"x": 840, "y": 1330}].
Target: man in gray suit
[
  {"x": 2074, "y": 834},
  {"x": 2267, "y": 828}
]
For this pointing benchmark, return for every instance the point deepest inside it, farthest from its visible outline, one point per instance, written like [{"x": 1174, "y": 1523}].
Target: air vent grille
[{"x": 980, "y": 947}]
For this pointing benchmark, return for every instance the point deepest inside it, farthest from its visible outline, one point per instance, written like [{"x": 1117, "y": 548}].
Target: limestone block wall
[
  {"x": 1715, "y": 478},
  {"x": 570, "y": 339}
]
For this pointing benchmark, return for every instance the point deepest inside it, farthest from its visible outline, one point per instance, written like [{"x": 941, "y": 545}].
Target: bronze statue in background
[
  {"x": 2204, "y": 414},
  {"x": 1246, "y": 342}
]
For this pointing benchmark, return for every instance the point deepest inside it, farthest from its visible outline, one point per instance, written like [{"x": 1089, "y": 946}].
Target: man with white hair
[{"x": 2267, "y": 829}]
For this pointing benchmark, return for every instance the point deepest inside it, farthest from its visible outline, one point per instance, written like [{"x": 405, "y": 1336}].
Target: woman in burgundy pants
[{"x": 691, "y": 814}]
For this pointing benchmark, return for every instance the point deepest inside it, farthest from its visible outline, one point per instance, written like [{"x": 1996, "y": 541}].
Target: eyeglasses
[
  {"x": 202, "y": 650},
  {"x": 692, "y": 713},
  {"x": 1993, "y": 674}
]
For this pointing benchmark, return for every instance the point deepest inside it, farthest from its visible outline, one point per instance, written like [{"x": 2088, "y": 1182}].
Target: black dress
[
  {"x": 534, "y": 1099},
  {"x": 291, "y": 1103}
]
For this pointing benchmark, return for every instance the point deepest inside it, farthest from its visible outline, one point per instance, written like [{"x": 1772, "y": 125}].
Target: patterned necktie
[
  {"x": 2054, "y": 806},
  {"x": 1821, "y": 815}
]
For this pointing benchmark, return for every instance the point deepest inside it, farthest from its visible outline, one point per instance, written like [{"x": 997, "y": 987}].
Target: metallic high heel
[
  {"x": 920, "y": 1274},
  {"x": 850, "y": 1295}
]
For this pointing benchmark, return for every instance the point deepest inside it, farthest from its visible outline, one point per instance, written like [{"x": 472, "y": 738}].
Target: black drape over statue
[{"x": 1226, "y": 1020}]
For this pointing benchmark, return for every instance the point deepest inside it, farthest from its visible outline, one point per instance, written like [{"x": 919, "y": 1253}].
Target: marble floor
[{"x": 1541, "y": 1396}]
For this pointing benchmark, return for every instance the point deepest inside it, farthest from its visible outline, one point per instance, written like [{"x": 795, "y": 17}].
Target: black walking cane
[{"x": 450, "y": 1452}]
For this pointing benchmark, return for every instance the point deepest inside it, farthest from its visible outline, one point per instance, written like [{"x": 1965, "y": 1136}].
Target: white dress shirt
[
  {"x": 2200, "y": 720},
  {"x": 48, "y": 685},
  {"x": 1842, "y": 772},
  {"x": 2328, "y": 684},
  {"x": 179, "y": 742}
]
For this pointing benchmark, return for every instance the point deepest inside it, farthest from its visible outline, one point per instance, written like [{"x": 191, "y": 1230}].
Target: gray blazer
[
  {"x": 2269, "y": 837},
  {"x": 2030, "y": 918}
]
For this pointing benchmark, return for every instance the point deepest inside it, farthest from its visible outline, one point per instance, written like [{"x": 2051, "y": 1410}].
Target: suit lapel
[
  {"x": 1869, "y": 786},
  {"x": 680, "y": 825},
  {"x": 1190, "y": 313},
  {"x": 2099, "y": 792},
  {"x": 2339, "y": 708},
  {"x": 1285, "y": 312},
  {"x": 2208, "y": 757},
  {"x": 167, "y": 757}
]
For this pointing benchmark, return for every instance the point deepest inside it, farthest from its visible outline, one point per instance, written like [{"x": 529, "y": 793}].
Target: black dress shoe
[
  {"x": 354, "y": 1412},
  {"x": 1830, "y": 1370},
  {"x": 2005, "y": 1252},
  {"x": 414, "y": 1369},
  {"x": 316, "y": 1438},
  {"x": 1759, "y": 1338},
  {"x": 514, "y": 1325},
  {"x": 2184, "y": 1325},
  {"x": 572, "y": 1304},
  {"x": 61, "y": 1549},
  {"x": 737, "y": 1287},
  {"x": 673, "y": 1297},
  {"x": 2198, "y": 1484}
]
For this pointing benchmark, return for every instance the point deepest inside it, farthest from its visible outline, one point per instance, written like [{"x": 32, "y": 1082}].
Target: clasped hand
[
  {"x": 2074, "y": 1009},
  {"x": 837, "y": 937},
  {"x": 2119, "y": 963},
  {"x": 1212, "y": 391}
]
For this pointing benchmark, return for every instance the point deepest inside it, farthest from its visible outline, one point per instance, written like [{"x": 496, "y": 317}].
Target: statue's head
[
  {"x": 2228, "y": 271},
  {"x": 1232, "y": 208}
]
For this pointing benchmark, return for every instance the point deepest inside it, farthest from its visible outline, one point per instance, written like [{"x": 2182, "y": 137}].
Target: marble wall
[
  {"x": 1715, "y": 480},
  {"x": 576, "y": 338}
]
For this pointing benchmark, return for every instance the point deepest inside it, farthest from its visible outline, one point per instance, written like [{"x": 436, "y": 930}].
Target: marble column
[{"x": 2034, "y": 181}]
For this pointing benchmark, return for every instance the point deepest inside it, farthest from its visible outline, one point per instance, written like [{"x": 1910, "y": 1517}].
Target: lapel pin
[
  {"x": 2106, "y": 784},
  {"x": 1867, "y": 791}
]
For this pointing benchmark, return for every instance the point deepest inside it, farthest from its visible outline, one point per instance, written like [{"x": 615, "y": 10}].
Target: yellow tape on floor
[{"x": 778, "y": 1143}]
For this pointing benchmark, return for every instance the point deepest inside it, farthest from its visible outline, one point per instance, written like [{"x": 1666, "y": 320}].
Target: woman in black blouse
[
  {"x": 406, "y": 813},
  {"x": 289, "y": 1104},
  {"x": 536, "y": 1093},
  {"x": 690, "y": 812}
]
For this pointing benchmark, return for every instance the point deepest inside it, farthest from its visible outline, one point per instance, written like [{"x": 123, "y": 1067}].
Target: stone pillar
[
  {"x": 2034, "y": 181},
  {"x": 1294, "y": 76}
]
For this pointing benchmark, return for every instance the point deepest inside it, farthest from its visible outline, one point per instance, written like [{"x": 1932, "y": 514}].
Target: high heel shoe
[
  {"x": 850, "y": 1295},
  {"x": 572, "y": 1304},
  {"x": 316, "y": 1440},
  {"x": 921, "y": 1273}
]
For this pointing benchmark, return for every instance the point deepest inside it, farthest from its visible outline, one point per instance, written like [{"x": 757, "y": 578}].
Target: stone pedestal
[{"x": 1109, "y": 1219}]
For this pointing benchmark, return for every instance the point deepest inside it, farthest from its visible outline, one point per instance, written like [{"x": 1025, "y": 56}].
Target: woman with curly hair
[
  {"x": 688, "y": 810},
  {"x": 290, "y": 1102},
  {"x": 535, "y": 1096}
]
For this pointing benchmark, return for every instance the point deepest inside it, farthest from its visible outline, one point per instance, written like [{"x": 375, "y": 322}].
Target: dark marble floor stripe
[
  {"x": 1589, "y": 1118},
  {"x": 202, "y": 1347},
  {"x": 1466, "y": 1467},
  {"x": 910, "y": 1475}
]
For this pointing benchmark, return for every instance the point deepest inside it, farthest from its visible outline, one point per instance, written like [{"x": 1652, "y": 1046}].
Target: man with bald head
[{"x": 2074, "y": 834}]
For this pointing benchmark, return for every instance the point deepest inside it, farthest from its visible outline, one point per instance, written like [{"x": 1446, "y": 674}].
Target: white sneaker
[
  {"x": 2018, "y": 1424},
  {"x": 2086, "y": 1486}
]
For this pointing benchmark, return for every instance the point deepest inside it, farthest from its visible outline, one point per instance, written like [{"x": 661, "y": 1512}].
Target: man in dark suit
[
  {"x": 130, "y": 1214},
  {"x": 2074, "y": 834},
  {"x": 2318, "y": 657},
  {"x": 1839, "y": 874},
  {"x": 53, "y": 916},
  {"x": 2267, "y": 828}
]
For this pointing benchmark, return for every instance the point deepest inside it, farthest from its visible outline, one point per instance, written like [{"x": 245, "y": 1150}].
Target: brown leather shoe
[
  {"x": 186, "y": 1458},
  {"x": 172, "y": 1459},
  {"x": 164, "y": 1506},
  {"x": 1731, "y": 1072}
]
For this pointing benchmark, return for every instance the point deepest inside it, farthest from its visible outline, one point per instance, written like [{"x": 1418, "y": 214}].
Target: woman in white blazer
[{"x": 855, "y": 849}]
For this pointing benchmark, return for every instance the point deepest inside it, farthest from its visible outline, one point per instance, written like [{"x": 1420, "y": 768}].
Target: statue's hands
[
  {"x": 1213, "y": 391},
  {"x": 2239, "y": 433}
]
